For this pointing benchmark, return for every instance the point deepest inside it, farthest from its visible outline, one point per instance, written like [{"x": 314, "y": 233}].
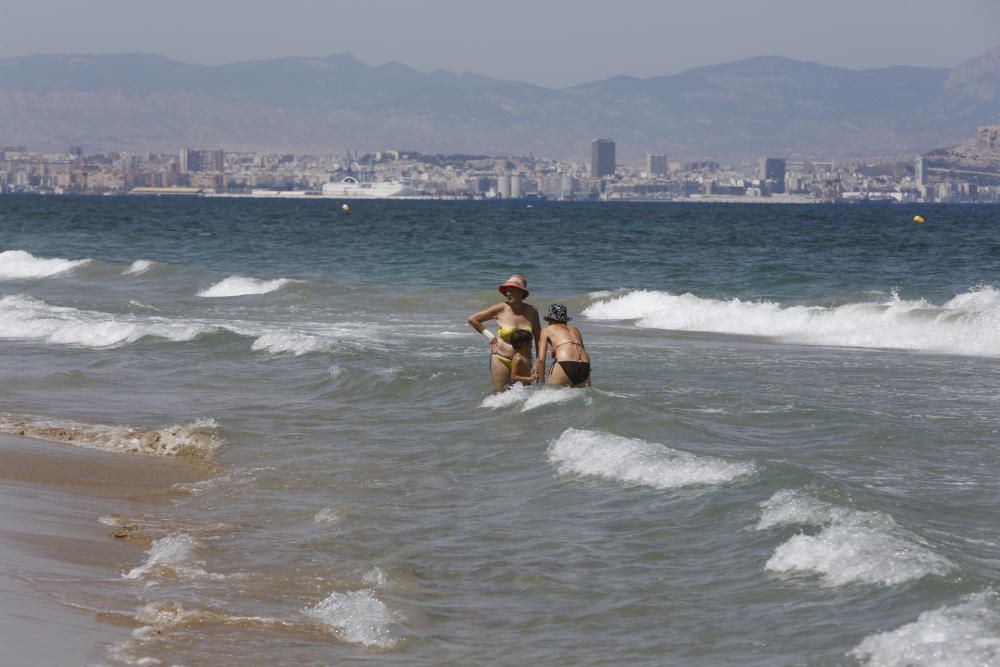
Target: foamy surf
[
  {"x": 289, "y": 342},
  {"x": 21, "y": 265},
  {"x": 199, "y": 438},
  {"x": 138, "y": 267},
  {"x": 27, "y": 318},
  {"x": 530, "y": 398},
  {"x": 963, "y": 635},
  {"x": 243, "y": 286},
  {"x": 173, "y": 555},
  {"x": 852, "y": 546},
  {"x": 966, "y": 324},
  {"x": 357, "y": 617},
  {"x": 635, "y": 462}
]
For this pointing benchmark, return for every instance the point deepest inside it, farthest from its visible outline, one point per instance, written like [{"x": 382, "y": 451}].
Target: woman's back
[{"x": 567, "y": 343}]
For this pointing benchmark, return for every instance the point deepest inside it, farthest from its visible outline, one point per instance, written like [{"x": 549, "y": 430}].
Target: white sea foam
[
  {"x": 966, "y": 324},
  {"x": 26, "y": 318},
  {"x": 852, "y": 546},
  {"x": 289, "y": 342},
  {"x": 964, "y": 635},
  {"x": 21, "y": 265},
  {"x": 326, "y": 516},
  {"x": 531, "y": 398},
  {"x": 139, "y": 267},
  {"x": 637, "y": 462},
  {"x": 375, "y": 577},
  {"x": 172, "y": 555},
  {"x": 242, "y": 286},
  {"x": 357, "y": 617},
  {"x": 199, "y": 438}
]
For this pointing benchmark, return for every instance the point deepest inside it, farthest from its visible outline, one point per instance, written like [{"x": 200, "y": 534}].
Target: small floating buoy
[
  {"x": 347, "y": 209},
  {"x": 918, "y": 218}
]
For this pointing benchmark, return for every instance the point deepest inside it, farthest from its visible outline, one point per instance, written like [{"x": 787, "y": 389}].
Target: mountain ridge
[{"x": 764, "y": 105}]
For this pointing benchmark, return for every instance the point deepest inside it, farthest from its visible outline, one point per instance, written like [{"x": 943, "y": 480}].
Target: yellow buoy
[
  {"x": 346, "y": 209},
  {"x": 918, "y": 218}
]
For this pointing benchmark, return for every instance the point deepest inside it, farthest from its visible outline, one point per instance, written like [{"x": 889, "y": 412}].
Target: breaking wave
[
  {"x": 172, "y": 555},
  {"x": 289, "y": 342},
  {"x": 852, "y": 546},
  {"x": 21, "y": 265},
  {"x": 357, "y": 617},
  {"x": 199, "y": 438},
  {"x": 139, "y": 267},
  {"x": 965, "y": 635},
  {"x": 242, "y": 286},
  {"x": 531, "y": 398},
  {"x": 966, "y": 324},
  {"x": 27, "y": 318},
  {"x": 637, "y": 462}
]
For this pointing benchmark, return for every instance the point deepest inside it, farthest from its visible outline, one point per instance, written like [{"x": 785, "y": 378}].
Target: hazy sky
[{"x": 553, "y": 43}]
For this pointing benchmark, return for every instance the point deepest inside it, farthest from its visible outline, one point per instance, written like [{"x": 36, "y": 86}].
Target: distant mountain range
[{"x": 762, "y": 106}]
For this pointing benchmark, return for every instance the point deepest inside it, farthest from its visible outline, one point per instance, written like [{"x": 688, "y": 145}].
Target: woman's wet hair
[{"x": 519, "y": 338}]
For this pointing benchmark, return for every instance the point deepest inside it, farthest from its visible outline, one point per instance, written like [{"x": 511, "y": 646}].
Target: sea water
[{"x": 789, "y": 455}]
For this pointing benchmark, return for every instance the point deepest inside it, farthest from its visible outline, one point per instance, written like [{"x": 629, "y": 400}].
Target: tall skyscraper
[
  {"x": 602, "y": 158},
  {"x": 920, "y": 171},
  {"x": 772, "y": 172},
  {"x": 201, "y": 160},
  {"x": 656, "y": 164}
]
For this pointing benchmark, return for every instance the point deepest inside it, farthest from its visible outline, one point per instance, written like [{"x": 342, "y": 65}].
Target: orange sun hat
[{"x": 516, "y": 280}]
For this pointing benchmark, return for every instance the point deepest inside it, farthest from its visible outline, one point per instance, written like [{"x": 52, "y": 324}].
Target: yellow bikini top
[{"x": 505, "y": 332}]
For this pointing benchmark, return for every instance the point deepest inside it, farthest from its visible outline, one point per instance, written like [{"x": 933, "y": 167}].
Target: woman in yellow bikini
[{"x": 511, "y": 315}]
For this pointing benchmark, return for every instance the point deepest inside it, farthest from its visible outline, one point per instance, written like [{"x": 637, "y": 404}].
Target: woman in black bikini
[{"x": 572, "y": 363}]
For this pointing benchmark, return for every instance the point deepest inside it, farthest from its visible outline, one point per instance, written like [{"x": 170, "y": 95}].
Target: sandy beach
[{"x": 52, "y": 497}]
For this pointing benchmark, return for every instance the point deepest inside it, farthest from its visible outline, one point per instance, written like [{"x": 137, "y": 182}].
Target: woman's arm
[
  {"x": 543, "y": 348},
  {"x": 476, "y": 322},
  {"x": 536, "y": 329}
]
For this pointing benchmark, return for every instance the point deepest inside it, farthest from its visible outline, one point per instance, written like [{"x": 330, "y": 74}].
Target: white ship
[{"x": 352, "y": 188}]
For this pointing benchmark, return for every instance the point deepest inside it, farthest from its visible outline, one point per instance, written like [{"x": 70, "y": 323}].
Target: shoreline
[{"x": 52, "y": 496}]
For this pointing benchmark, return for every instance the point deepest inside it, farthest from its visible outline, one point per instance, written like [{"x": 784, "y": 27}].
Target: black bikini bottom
[{"x": 578, "y": 372}]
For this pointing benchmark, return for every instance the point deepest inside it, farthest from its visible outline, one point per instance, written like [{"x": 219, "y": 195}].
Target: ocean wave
[
  {"x": 966, "y": 324},
  {"x": 156, "y": 619},
  {"x": 21, "y": 265},
  {"x": 852, "y": 546},
  {"x": 357, "y": 617},
  {"x": 27, "y": 318},
  {"x": 173, "y": 555},
  {"x": 964, "y": 635},
  {"x": 289, "y": 342},
  {"x": 637, "y": 462},
  {"x": 531, "y": 398},
  {"x": 242, "y": 286},
  {"x": 326, "y": 516},
  {"x": 199, "y": 438},
  {"x": 139, "y": 267}
]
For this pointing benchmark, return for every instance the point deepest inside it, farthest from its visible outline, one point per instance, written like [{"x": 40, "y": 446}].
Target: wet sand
[{"x": 51, "y": 498}]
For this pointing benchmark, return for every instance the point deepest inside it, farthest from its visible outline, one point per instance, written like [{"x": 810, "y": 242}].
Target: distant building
[
  {"x": 772, "y": 172},
  {"x": 193, "y": 160},
  {"x": 566, "y": 186},
  {"x": 656, "y": 164},
  {"x": 76, "y": 151},
  {"x": 515, "y": 186},
  {"x": 602, "y": 158},
  {"x": 503, "y": 186},
  {"x": 920, "y": 171}
]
